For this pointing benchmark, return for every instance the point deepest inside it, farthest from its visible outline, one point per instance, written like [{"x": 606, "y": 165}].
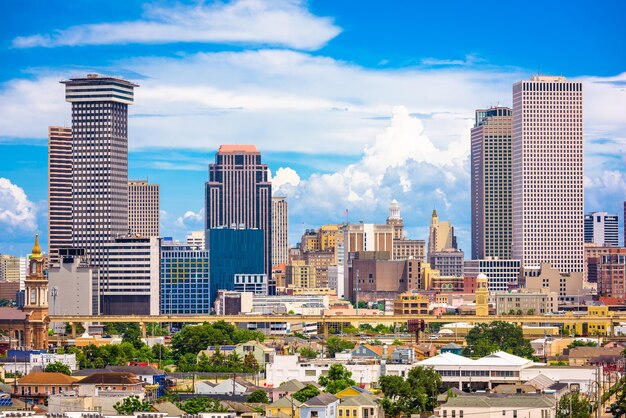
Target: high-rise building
[
  {"x": 280, "y": 231},
  {"x": 71, "y": 283},
  {"x": 11, "y": 268},
  {"x": 99, "y": 160},
  {"x": 130, "y": 277},
  {"x": 143, "y": 209},
  {"x": 239, "y": 194},
  {"x": 492, "y": 211},
  {"x": 548, "y": 173},
  {"x": 59, "y": 190},
  {"x": 441, "y": 235},
  {"x": 601, "y": 229},
  {"x": 449, "y": 262},
  {"x": 501, "y": 274},
  {"x": 396, "y": 220},
  {"x": 195, "y": 240},
  {"x": 185, "y": 280},
  {"x": 233, "y": 251},
  {"x": 612, "y": 274}
]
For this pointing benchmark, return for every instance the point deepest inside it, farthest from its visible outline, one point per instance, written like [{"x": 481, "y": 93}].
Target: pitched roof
[
  {"x": 452, "y": 346},
  {"x": 138, "y": 370},
  {"x": 362, "y": 399},
  {"x": 12, "y": 314},
  {"x": 322, "y": 399},
  {"x": 292, "y": 385},
  {"x": 586, "y": 352},
  {"x": 169, "y": 408},
  {"x": 540, "y": 382},
  {"x": 501, "y": 401},
  {"x": 109, "y": 378},
  {"x": 501, "y": 358},
  {"x": 285, "y": 402},
  {"x": 42, "y": 378},
  {"x": 447, "y": 359}
]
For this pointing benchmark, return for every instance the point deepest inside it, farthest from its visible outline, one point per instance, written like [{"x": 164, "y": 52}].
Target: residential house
[
  {"x": 452, "y": 348},
  {"x": 374, "y": 352},
  {"x": 424, "y": 350},
  {"x": 238, "y": 386},
  {"x": 323, "y": 405},
  {"x": 261, "y": 353},
  {"x": 351, "y": 391},
  {"x": 287, "y": 388},
  {"x": 35, "y": 388},
  {"x": 498, "y": 406},
  {"x": 147, "y": 374},
  {"x": 285, "y": 407},
  {"x": 363, "y": 405},
  {"x": 111, "y": 384},
  {"x": 594, "y": 356}
]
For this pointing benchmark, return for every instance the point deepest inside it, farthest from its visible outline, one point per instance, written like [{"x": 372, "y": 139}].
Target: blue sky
[{"x": 352, "y": 103}]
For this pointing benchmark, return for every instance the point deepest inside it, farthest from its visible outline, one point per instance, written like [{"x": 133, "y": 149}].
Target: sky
[{"x": 351, "y": 103}]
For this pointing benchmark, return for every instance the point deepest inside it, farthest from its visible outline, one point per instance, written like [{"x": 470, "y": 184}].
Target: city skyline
[{"x": 363, "y": 100}]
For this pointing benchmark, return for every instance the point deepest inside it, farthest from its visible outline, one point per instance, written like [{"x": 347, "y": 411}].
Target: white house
[
  {"x": 225, "y": 387},
  {"x": 323, "y": 405},
  {"x": 492, "y": 406}
]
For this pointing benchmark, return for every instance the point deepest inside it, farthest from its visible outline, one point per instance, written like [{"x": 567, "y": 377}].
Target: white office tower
[
  {"x": 143, "y": 209},
  {"x": 280, "y": 231},
  {"x": 547, "y": 167},
  {"x": 601, "y": 229},
  {"x": 195, "y": 240}
]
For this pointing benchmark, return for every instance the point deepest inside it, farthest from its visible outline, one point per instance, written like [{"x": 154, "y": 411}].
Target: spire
[
  {"x": 434, "y": 213},
  {"x": 36, "y": 251}
]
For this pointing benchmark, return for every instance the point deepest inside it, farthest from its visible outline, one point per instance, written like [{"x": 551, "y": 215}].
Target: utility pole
[{"x": 357, "y": 292}]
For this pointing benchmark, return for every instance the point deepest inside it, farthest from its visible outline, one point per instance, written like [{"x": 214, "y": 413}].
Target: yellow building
[
  {"x": 362, "y": 405},
  {"x": 482, "y": 295},
  {"x": 299, "y": 274},
  {"x": 351, "y": 391},
  {"x": 285, "y": 407},
  {"x": 427, "y": 274},
  {"x": 596, "y": 322},
  {"x": 327, "y": 237},
  {"x": 301, "y": 291},
  {"x": 411, "y": 304}
]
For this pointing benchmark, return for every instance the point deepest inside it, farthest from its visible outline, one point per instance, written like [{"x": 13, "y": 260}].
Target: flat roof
[
  {"x": 90, "y": 78},
  {"x": 237, "y": 148}
]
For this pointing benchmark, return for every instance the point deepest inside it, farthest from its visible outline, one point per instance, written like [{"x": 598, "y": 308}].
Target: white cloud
[
  {"x": 191, "y": 220},
  {"x": 285, "y": 176},
  {"x": 16, "y": 211},
  {"x": 286, "y": 23}
]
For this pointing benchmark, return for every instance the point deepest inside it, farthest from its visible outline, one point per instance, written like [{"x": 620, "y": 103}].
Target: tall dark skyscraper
[
  {"x": 59, "y": 190},
  {"x": 239, "y": 194},
  {"x": 99, "y": 160}
]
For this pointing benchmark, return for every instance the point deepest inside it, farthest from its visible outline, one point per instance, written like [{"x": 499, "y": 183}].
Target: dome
[{"x": 482, "y": 276}]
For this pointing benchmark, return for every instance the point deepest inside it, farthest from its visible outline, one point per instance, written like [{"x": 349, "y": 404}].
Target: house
[
  {"x": 287, "y": 388},
  {"x": 452, "y": 348},
  {"x": 285, "y": 407},
  {"x": 34, "y": 388},
  {"x": 238, "y": 386},
  {"x": 147, "y": 374},
  {"x": 500, "y": 406},
  {"x": 584, "y": 356},
  {"x": 363, "y": 405},
  {"x": 424, "y": 350},
  {"x": 323, "y": 405},
  {"x": 261, "y": 353},
  {"x": 375, "y": 352},
  {"x": 224, "y": 349},
  {"x": 111, "y": 384},
  {"x": 351, "y": 391}
]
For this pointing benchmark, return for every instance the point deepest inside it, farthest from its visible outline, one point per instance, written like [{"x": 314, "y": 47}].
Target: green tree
[
  {"x": 336, "y": 345},
  {"x": 58, "y": 367},
  {"x": 193, "y": 339},
  {"x": 362, "y": 304},
  {"x": 308, "y": 352},
  {"x": 132, "y": 404},
  {"x": 132, "y": 335},
  {"x": 485, "y": 338},
  {"x": 337, "y": 379},
  {"x": 217, "y": 359},
  {"x": 580, "y": 343},
  {"x": 250, "y": 363},
  {"x": 581, "y": 407},
  {"x": 198, "y": 405},
  {"x": 530, "y": 312},
  {"x": 414, "y": 395},
  {"x": 204, "y": 365},
  {"x": 258, "y": 396},
  {"x": 234, "y": 362},
  {"x": 306, "y": 393}
]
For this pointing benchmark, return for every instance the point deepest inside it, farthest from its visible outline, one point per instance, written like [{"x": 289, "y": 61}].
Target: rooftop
[
  {"x": 42, "y": 378},
  {"x": 237, "y": 148},
  {"x": 121, "y": 378},
  {"x": 322, "y": 399},
  {"x": 501, "y": 401}
]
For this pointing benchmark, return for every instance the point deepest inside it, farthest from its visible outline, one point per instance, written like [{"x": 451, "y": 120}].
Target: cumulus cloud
[
  {"x": 191, "y": 220},
  {"x": 17, "y": 213},
  {"x": 285, "y": 177},
  {"x": 284, "y": 23}
]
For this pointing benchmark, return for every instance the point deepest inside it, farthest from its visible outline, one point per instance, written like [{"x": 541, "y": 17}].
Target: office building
[
  {"x": 252, "y": 283},
  {"x": 321, "y": 262},
  {"x": 239, "y": 194},
  {"x": 233, "y": 251},
  {"x": 394, "y": 219},
  {"x": 492, "y": 212},
  {"x": 548, "y": 193},
  {"x": 569, "y": 286},
  {"x": 280, "y": 231},
  {"x": 612, "y": 274},
  {"x": 449, "y": 262},
  {"x": 300, "y": 275},
  {"x": 525, "y": 301},
  {"x": 70, "y": 284},
  {"x": 405, "y": 249},
  {"x": 99, "y": 160},
  {"x": 143, "y": 209},
  {"x": 59, "y": 190},
  {"x": 185, "y": 280},
  {"x": 372, "y": 278},
  {"x": 441, "y": 236},
  {"x": 129, "y": 283},
  {"x": 196, "y": 240},
  {"x": 601, "y": 229},
  {"x": 11, "y": 268},
  {"x": 502, "y": 275},
  {"x": 593, "y": 254}
]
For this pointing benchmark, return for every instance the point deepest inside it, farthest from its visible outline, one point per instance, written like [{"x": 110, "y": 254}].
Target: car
[{"x": 433, "y": 337}]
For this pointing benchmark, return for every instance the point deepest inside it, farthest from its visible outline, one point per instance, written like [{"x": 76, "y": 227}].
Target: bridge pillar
[
  {"x": 325, "y": 329},
  {"x": 73, "y": 327},
  {"x": 142, "y": 327}
]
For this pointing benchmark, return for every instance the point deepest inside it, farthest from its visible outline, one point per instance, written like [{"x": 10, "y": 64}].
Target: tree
[
  {"x": 198, "y": 405},
  {"x": 258, "y": 396},
  {"x": 581, "y": 407},
  {"x": 336, "y": 345},
  {"x": 58, "y": 367},
  {"x": 308, "y": 352},
  {"x": 337, "y": 379},
  {"x": 414, "y": 395},
  {"x": 580, "y": 343},
  {"x": 131, "y": 404},
  {"x": 530, "y": 312},
  {"x": 132, "y": 335},
  {"x": 204, "y": 365},
  {"x": 250, "y": 363},
  {"x": 484, "y": 339},
  {"x": 193, "y": 339},
  {"x": 306, "y": 393}
]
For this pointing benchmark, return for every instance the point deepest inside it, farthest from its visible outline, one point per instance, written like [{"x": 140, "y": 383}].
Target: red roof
[
  {"x": 12, "y": 314},
  {"x": 238, "y": 148}
]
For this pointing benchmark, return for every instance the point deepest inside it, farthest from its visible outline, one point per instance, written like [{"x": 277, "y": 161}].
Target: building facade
[
  {"x": 394, "y": 219},
  {"x": 441, "y": 236},
  {"x": 185, "y": 280},
  {"x": 492, "y": 214},
  {"x": 501, "y": 274},
  {"x": 233, "y": 251},
  {"x": 143, "y": 209},
  {"x": 71, "y": 284},
  {"x": 548, "y": 192},
  {"x": 239, "y": 194},
  {"x": 612, "y": 274},
  {"x": 99, "y": 160},
  {"x": 253, "y": 283},
  {"x": 449, "y": 262},
  {"x": 59, "y": 190},
  {"x": 280, "y": 231},
  {"x": 526, "y": 302},
  {"x": 196, "y": 240},
  {"x": 601, "y": 229},
  {"x": 129, "y": 283}
]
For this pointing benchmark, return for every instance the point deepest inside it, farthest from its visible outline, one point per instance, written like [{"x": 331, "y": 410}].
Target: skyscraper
[
  {"x": 239, "y": 194},
  {"x": 99, "y": 160},
  {"x": 441, "y": 235},
  {"x": 548, "y": 173},
  {"x": 601, "y": 229},
  {"x": 280, "y": 231},
  {"x": 492, "y": 211},
  {"x": 59, "y": 190},
  {"x": 143, "y": 209},
  {"x": 395, "y": 220}
]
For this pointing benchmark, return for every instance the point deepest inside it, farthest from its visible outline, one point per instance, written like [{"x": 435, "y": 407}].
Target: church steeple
[{"x": 36, "y": 251}]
